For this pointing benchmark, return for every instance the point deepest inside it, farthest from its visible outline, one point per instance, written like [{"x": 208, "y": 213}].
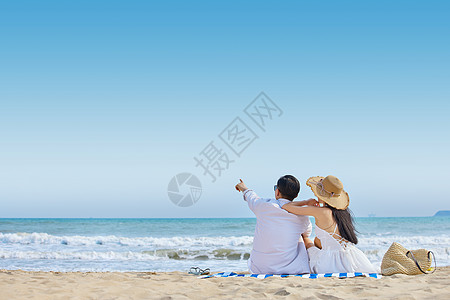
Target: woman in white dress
[{"x": 333, "y": 250}]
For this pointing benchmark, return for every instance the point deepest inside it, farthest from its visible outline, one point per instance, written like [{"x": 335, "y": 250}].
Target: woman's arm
[
  {"x": 317, "y": 243},
  {"x": 309, "y": 202},
  {"x": 299, "y": 209}
]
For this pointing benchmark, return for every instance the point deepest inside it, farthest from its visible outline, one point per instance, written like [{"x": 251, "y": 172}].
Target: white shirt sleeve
[
  {"x": 252, "y": 199},
  {"x": 308, "y": 229}
]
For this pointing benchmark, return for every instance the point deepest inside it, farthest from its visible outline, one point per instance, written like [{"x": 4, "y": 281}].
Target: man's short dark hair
[{"x": 288, "y": 186}]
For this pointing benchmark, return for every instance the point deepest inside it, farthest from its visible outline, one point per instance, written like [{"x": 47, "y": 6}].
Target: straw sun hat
[{"x": 330, "y": 190}]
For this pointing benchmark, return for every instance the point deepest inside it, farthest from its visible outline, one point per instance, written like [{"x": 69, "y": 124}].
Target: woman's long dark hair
[{"x": 344, "y": 221}]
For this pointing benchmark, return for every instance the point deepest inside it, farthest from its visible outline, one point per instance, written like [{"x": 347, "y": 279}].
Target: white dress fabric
[{"x": 337, "y": 255}]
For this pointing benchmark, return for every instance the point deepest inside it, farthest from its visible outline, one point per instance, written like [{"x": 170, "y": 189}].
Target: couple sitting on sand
[{"x": 282, "y": 245}]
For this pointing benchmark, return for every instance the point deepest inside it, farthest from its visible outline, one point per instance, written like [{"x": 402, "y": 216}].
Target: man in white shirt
[{"x": 277, "y": 245}]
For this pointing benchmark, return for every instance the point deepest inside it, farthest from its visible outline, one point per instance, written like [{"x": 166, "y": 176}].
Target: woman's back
[{"x": 330, "y": 240}]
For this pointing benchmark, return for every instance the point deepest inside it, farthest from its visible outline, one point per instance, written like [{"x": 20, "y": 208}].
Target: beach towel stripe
[{"x": 311, "y": 276}]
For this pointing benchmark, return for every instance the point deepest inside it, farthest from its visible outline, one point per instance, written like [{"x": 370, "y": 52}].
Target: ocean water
[{"x": 178, "y": 244}]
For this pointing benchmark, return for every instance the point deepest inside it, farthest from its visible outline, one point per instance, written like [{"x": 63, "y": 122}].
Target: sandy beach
[{"x": 176, "y": 285}]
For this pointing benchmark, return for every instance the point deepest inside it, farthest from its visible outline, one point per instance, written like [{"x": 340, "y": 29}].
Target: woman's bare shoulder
[
  {"x": 325, "y": 211},
  {"x": 323, "y": 215}
]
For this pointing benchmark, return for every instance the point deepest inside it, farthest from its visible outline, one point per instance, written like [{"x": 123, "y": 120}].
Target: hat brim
[{"x": 340, "y": 202}]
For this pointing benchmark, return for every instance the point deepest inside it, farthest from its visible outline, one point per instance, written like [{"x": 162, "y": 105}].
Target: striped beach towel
[{"x": 312, "y": 276}]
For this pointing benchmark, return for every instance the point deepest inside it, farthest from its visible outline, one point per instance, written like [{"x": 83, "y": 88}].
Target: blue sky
[{"x": 102, "y": 103}]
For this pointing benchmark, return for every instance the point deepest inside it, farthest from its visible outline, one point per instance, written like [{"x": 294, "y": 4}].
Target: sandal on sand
[{"x": 198, "y": 271}]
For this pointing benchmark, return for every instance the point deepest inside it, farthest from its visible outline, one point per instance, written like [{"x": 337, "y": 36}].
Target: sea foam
[{"x": 44, "y": 238}]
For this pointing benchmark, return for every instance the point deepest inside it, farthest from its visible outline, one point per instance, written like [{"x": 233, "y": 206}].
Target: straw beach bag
[{"x": 399, "y": 260}]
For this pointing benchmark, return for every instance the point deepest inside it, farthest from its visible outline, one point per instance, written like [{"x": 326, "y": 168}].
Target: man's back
[{"x": 277, "y": 245}]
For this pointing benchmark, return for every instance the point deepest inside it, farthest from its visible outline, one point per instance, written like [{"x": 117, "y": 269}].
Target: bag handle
[{"x": 417, "y": 264}]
